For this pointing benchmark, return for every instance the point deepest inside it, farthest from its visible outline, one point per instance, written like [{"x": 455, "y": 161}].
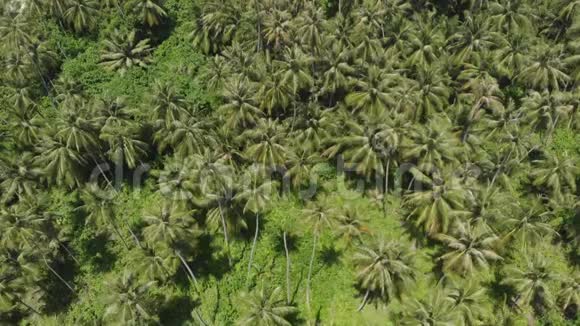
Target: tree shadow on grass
[
  {"x": 97, "y": 254},
  {"x": 177, "y": 310},
  {"x": 206, "y": 263}
]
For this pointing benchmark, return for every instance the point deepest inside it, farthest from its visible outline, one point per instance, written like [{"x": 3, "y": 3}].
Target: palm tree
[
  {"x": 471, "y": 302},
  {"x": 384, "y": 270},
  {"x": 431, "y": 146},
  {"x": 470, "y": 248},
  {"x": 15, "y": 32},
  {"x": 350, "y": 225},
  {"x": 124, "y": 144},
  {"x": 214, "y": 186},
  {"x": 546, "y": 69},
  {"x": 277, "y": 28},
  {"x": 82, "y": 14},
  {"x": 373, "y": 94},
  {"x": 264, "y": 308},
  {"x": 76, "y": 131},
  {"x": 127, "y": 303},
  {"x": 544, "y": 110},
  {"x": 19, "y": 177},
  {"x": 99, "y": 205},
  {"x": 168, "y": 105},
  {"x": 294, "y": 70},
  {"x": 530, "y": 225},
  {"x": 61, "y": 164},
  {"x": 255, "y": 194},
  {"x": 241, "y": 106},
  {"x": 185, "y": 137},
  {"x": 171, "y": 226},
  {"x": 569, "y": 294},
  {"x": 432, "y": 93},
  {"x": 436, "y": 309},
  {"x": 122, "y": 52},
  {"x": 150, "y": 11},
  {"x": 558, "y": 174},
  {"x": 265, "y": 144},
  {"x": 530, "y": 281},
  {"x": 437, "y": 208},
  {"x": 510, "y": 16},
  {"x": 319, "y": 218}
]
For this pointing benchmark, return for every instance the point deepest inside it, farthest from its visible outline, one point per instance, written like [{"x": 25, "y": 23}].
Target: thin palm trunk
[
  {"x": 58, "y": 276},
  {"x": 386, "y": 187},
  {"x": 364, "y": 302},
  {"x": 253, "y": 247},
  {"x": 189, "y": 271},
  {"x": 288, "y": 297},
  {"x": 116, "y": 230},
  {"x": 314, "y": 241},
  {"x": 258, "y": 26},
  {"x": 17, "y": 299},
  {"x": 69, "y": 252},
  {"x": 225, "y": 230}
]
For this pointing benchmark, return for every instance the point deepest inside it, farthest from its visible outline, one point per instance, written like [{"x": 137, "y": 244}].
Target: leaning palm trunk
[
  {"x": 310, "y": 270},
  {"x": 253, "y": 247},
  {"x": 184, "y": 263},
  {"x": 225, "y": 230},
  {"x": 19, "y": 300},
  {"x": 365, "y": 300},
  {"x": 287, "y": 269},
  {"x": 386, "y": 187}
]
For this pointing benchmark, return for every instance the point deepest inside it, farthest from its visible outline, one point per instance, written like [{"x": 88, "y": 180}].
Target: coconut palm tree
[
  {"x": 278, "y": 28},
  {"x": 127, "y": 303},
  {"x": 255, "y": 194},
  {"x": 374, "y": 93},
  {"x": 529, "y": 225},
  {"x": 122, "y": 52},
  {"x": 265, "y": 144},
  {"x": 436, "y": 209},
  {"x": 124, "y": 144},
  {"x": 569, "y": 294},
  {"x": 240, "y": 107},
  {"x": 435, "y": 309},
  {"x": 530, "y": 281},
  {"x": 171, "y": 226},
  {"x": 60, "y": 163},
  {"x": 264, "y": 308},
  {"x": 319, "y": 218},
  {"x": 557, "y": 174},
  {"x": 99, "y": 206},
  {"x": 384, "y": 270},
  {"x": 546, "y": 69},
  {"x": 471, "y": 302},
  {"x": 150, "y": 11},
  {"x": 469, "y": 248},
  {"x": 81, "y": 14},
  {"x": 19, "y": 177}
]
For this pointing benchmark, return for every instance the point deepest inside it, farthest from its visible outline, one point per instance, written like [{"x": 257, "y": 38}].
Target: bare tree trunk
[
  {"x": 364, "y": 302},
  {"x": 288, "y": 297},
  {"x": 225, "y": 230},
  {"x": 315, "y": 239},
  {"x": 253, "y": 247}
]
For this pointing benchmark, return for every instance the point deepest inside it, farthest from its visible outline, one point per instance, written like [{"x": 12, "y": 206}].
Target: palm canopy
[
  {"x": 384, "y": 269},
  {"x": 531, "y": 281},
  {"x": 469, "y": 248},
  {"x": 264, "y": 308},
  {"x": 122, "y": 52}
]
